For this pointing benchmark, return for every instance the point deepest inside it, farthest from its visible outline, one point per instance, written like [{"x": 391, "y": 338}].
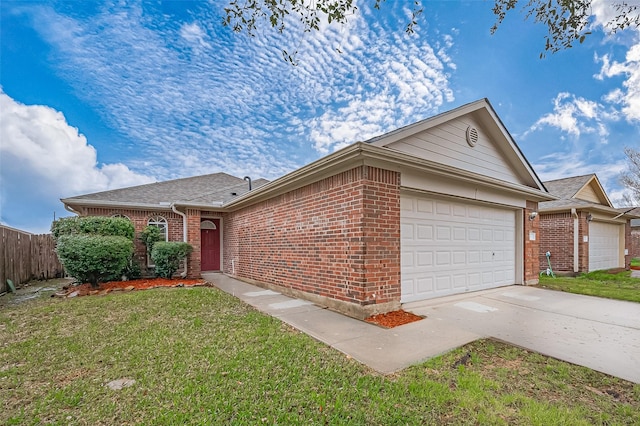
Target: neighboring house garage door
[
  {"x": 450, "y": 246},
  {"x": 604, "y": 246}
]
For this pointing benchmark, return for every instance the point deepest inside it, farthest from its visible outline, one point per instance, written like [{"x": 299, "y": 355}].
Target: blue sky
[{"x": 97, "y": 96}]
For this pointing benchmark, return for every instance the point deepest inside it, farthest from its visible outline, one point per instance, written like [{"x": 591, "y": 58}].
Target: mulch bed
[
  {"x": 139, "y": 284},
  {"x": 393, "y": 318}
]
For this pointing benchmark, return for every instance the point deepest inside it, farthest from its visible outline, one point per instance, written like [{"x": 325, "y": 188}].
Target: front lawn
[
  {"x": 200, "y": 356},
  {"x": 619, "y": 286}
]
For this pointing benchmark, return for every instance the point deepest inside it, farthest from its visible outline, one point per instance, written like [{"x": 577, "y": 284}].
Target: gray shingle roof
[
  {"x": 568, "y": 187},
  {"x": 565, "y": 189},
  {"x": 212, "y": 188}
]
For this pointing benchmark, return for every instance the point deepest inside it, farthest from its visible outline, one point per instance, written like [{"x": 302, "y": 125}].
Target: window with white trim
[
  {"x": 121, "y": 215},
  {"x": 161, "y": 223}
]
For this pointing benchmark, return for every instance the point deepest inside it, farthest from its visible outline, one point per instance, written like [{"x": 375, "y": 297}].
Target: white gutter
[
  {"x": 70, "y": 209},
  {"x": 184, "y": 234},
  {"x": 623, "y": 213}
]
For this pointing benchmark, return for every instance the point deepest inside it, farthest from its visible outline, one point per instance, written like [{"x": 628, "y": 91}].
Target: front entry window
[{"x": 161, "y": 223}]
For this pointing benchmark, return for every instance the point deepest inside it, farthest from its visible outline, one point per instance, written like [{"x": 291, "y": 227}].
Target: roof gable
[
  {"x": 471, "y": 138},
  {"x": 585, "y": 188}
]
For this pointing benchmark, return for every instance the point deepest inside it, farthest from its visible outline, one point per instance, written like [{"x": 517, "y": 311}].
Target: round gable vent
[{"x": 472, "y": 136}]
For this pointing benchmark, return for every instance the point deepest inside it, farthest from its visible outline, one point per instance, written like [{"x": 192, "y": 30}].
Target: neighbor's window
[{"x": 121, "y": 215}]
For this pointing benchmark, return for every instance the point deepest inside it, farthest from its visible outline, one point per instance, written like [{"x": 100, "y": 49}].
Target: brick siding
[
  {"x": 634, "y": 248},
  {"x": 556, "y": 237},
  {"x": 531, "y": 247},
  {"x": 338, "y": 238}
]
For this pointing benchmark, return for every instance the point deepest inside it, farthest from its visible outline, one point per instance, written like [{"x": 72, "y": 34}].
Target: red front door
[{"x": 210, "y": 245}]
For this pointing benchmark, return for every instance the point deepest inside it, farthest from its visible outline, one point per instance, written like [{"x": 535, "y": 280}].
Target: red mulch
[
  {"x": 140, "y": 284},
  {"x": 393, "y": 319}
]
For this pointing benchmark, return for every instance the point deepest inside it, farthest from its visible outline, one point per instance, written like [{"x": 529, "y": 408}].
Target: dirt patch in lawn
[
  {"x": 130, "y": 285},
  {"x": 393, "y": 318}
]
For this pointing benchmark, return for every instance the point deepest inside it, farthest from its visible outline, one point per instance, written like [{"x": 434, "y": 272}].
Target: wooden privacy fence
[{"x": 25, "y": 256}]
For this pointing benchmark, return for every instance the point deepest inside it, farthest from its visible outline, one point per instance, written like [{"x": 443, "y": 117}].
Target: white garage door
[
  {"x": 450, "y": 246},
  {"x": 604, "y": 246}
]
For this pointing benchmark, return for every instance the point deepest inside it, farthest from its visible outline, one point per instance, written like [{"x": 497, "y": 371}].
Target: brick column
[
  {"x": 583, "y": 246},
  {"x": 628, "y": 245},
  {"x": 531, "y": 246},
  {"x": 193, "y": 238}
]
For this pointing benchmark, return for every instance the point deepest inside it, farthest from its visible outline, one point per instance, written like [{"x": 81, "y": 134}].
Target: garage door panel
[
  {"x": 459, "y": 281},
  {"x": 425, "y": 232},
  {"x": 443, "y": 282},
  {"x": 425, "y": 259},
  {"x": 443, "y": 233},
  {"x": 443, "y": 258},
  {"x": 424, "y": 206},
  {"x": 459, "y": 258},
  {"x": 449, "y": 247}
]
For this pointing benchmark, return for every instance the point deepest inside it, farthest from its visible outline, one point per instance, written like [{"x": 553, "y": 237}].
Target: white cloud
[
  {"x": 43, "y": 158},
  {"x": 190, "y": 100},
  {"x": 628, "y": 96},
  {"x": 576, "y": 116},
  {"x": 195, "y": 35}
]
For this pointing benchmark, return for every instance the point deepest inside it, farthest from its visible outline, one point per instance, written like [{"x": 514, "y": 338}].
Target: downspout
[
  {"x": 184, "y": 234},
  {"x": 576, "y": 239}
]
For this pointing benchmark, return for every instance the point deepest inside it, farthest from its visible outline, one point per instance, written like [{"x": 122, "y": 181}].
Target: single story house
[
  {"x": 581, "y": 229},
  {"x": 443, "y": 206}
]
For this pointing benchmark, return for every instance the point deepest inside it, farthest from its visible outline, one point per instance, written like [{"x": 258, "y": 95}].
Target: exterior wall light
[
  {"x": 589, "y": 217},
  {"x": 533, "y": 215}
]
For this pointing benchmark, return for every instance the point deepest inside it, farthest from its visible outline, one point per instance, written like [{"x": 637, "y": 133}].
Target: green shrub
[
  {"x": 166, "y": 257},
  {"x": 133, "y": 271},
  {"x": 93, "y": 225},
  {"x": 151, "y": 235},
  {"x": 94, "y": 258}
]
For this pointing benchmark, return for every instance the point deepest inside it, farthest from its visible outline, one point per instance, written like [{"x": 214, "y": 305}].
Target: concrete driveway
[{"x": 598, "y": 333}]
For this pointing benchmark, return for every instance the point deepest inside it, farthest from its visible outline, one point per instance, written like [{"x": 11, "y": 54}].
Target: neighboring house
[
  {"x": 581, "y": 229},
  {"x": 635, "y": 234},
  {"x": 439, "y": 207}
]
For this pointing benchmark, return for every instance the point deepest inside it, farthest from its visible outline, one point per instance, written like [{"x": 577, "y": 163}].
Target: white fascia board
[
  {"x": 401, "y": 160},
  {"x": 595, "y": 208}
]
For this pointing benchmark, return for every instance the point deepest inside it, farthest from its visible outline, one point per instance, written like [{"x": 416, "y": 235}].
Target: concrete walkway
[{"x": 597, "y": 333}]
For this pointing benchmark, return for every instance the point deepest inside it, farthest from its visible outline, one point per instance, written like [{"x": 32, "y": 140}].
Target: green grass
[
  {"x": 200, "y": 356},
  {"x": 635, "y": 261},
  {"x": 619, "y": 286}
]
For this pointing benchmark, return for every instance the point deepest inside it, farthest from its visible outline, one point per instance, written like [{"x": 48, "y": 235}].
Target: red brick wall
[
  {"x": 193, "y": 237},
  {"x": 338, "y": 238},
  {"x": 531, "y": 247},
  {"x": 635, "y": 242},
  {"x": 583, "y": 246},
  {"x": 628, "y": 244},
  {"x": 556, "y": 236}
]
